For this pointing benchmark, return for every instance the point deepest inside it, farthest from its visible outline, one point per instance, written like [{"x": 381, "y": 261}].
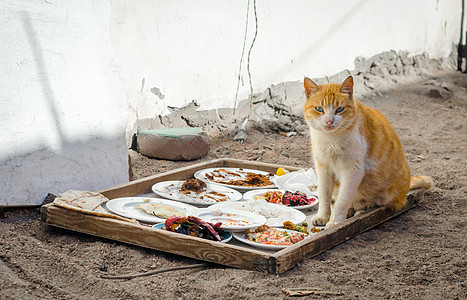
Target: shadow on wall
[
  {"x": 27, "y": 178},
  {"x": 94, "y": 162},
  {"x": 317, "y": 43},
  {"x": 42, "y": 75}
]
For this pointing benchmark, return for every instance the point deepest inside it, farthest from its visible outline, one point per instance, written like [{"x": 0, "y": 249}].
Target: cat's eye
[
  {"x": 339, "y": 110},
  {"x": 319, "y": 109}
]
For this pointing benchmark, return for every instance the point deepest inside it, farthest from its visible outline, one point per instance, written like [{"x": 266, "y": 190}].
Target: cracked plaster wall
[{"x": 190, "y": 52}]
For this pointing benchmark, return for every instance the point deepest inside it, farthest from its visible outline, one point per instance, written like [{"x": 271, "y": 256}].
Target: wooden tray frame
[{"x": 221, "y": 253}]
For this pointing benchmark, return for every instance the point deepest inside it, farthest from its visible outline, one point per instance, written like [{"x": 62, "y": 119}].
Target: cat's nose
[{"x": 329, "y": 122}]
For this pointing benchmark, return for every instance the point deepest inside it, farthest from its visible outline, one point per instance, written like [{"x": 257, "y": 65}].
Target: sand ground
[{"x": 418, "y": 255}]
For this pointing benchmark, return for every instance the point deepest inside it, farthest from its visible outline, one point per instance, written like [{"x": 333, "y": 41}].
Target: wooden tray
[{"x": 232, "y": 254}]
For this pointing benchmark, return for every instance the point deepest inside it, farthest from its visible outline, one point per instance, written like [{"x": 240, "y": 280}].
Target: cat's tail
[
  {"x": 415, "y": 183},
  {"x": 420, "y": 182}
]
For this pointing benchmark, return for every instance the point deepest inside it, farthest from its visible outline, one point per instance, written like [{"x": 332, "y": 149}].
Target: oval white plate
[
  {"x": 171, "y": 190},
  {"x": 127, "y": 207},
  {"x": 275, "y": 214},
  {"x": 247, "y": 219},
  {"x": 250, "y": 196},
  {"x": 226, "y": 236},
  {"x": 201, "y": 175},
  {"x": 241, "y": 236}
]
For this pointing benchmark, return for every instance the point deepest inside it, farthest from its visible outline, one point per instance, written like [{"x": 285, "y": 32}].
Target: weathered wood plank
[
  {"x": 327, "y": 239},
  {"x": 143, "y": 185},
  {"x": 267, "y": 167},
  {"x": 221, "y": 253}
]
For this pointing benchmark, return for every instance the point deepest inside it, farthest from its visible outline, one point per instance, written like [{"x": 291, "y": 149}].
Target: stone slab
[{"x": 184, "y": 143}]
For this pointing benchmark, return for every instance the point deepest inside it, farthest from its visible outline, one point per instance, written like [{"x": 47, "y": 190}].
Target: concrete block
[{"x": 186, "y": 143}]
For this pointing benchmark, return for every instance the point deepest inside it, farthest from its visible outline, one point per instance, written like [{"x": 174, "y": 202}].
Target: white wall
[
  {"x": 62, "y": 106},
  {"x": 192, "y": 49},
  {"x": 75, "y": 74}
]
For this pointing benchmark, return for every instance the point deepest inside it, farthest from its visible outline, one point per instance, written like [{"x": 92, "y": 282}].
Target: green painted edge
[{"x": 172, "y": 132}]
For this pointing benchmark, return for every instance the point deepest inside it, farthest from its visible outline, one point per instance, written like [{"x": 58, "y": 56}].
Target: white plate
[
  {"x": 127, "y": 207},
  {"x": 171, "y": 190},
  {"x": 245, "y": 220},
  {"x": 275, "y": 214},
  {"x": 225, "y": 236},
  {"x": 241, "y": 236},
  {"x": 201, "y": 175},
  {"x": 250, "y": 196}
]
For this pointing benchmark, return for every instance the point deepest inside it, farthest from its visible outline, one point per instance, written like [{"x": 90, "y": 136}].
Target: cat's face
[{"x": 329, "y": 107}]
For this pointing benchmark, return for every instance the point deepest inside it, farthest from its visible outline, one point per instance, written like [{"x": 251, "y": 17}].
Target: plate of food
[
  {"x": 236, "y": 178},
  {"x": 186, "y": 227},
  {"x": 270, "y": 238},
  {"x": 231, "y": 219},
  {"x": 296, "y": 200},
  {"x": 150, "y": 210},
  {"x": 195, "y": 191},
  {"x": 275, "y": 215}
]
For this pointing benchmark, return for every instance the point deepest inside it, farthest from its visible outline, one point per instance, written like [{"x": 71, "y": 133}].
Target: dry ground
[{"x": 419, "y": 255}]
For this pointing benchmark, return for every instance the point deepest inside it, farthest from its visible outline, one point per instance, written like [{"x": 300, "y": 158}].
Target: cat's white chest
[{"x": 340, "y": 152}]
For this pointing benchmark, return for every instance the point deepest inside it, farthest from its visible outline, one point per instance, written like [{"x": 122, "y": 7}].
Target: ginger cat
[{"x": 357, "y": 154}]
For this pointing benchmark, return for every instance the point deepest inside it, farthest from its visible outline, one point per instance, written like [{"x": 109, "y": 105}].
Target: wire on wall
[
  {"x": 248, "y": 61},
  {"x": 241, "y": 57},
  {"x": 248, "y": 58}
]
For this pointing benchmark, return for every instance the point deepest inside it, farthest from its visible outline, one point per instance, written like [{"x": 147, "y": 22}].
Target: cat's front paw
[
  {"x": 319, "y": 220},
  {"x": 331, "y": 224}
]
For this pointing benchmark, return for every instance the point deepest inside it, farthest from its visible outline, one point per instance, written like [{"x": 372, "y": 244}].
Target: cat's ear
[
  {"x": 310, "y": 87},
  {"x": 347, "y": 86}
]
